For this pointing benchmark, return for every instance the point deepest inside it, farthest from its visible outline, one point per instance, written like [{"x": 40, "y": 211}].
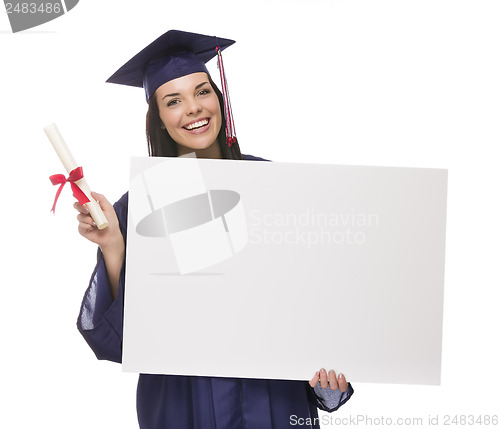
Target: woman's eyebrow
[
  {"x": 175, "y": 94},
  {"x": 200, "y": 85}
]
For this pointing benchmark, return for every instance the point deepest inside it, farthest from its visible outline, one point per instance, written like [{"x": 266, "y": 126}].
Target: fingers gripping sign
[{"x": 329, "y": 380}]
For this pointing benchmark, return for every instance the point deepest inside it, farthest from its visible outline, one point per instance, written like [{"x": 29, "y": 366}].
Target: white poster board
[{"x": 283, "y": 268}]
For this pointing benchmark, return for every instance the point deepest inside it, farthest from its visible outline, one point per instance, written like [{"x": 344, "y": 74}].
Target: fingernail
[
  {"x": 341, "y": 375},
  {"x": 323, "y": 370}
]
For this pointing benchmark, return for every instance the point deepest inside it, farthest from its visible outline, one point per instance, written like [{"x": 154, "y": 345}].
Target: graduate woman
[{"x": 187, "y": 113}]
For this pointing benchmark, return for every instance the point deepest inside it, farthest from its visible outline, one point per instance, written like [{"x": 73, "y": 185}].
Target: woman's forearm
[
  {"x": 109, "y": 239},
  {"x": 113, "y": 258}
]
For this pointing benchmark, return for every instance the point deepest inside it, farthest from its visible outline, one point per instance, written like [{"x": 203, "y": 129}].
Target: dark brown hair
[{"x": 161, "y": 144}]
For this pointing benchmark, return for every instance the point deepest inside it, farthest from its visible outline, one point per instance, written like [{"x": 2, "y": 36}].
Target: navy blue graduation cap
[{"x": 173, "y": 55}]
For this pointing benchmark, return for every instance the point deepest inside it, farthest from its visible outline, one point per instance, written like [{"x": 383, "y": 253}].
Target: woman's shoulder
[
  {"x": 253, "y": 158},
  {"x": 122, "y": 203}
]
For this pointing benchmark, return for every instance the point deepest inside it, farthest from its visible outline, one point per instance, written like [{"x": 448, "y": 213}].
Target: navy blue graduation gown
[{"x": 189, "y": 402}]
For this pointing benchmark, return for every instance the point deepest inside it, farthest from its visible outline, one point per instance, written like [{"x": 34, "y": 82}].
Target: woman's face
[{"x": 190, "y": 111}]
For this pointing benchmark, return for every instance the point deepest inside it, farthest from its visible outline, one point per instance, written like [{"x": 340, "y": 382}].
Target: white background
[{"x": 392, "y": 83}]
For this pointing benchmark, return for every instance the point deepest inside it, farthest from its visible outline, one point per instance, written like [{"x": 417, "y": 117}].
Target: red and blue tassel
[{"x": 230, "y": 129}]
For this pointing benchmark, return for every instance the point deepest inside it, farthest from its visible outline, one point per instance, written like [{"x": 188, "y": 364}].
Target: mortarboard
[{"x": 173, "y": 55}]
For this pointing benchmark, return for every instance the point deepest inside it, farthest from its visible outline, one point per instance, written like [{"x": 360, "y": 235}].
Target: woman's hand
[
  {"x": 109, "y": 237},
  {"x": 331, "y": 380}
]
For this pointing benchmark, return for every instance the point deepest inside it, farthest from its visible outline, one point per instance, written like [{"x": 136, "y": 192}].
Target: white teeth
[{"x": 198, "y": 124}]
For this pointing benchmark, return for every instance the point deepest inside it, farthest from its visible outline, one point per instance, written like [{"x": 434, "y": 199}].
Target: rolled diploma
[{"x": 70, "y": 164}]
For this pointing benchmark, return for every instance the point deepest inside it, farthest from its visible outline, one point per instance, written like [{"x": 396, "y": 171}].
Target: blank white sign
[{"x": 328, "y": 266}]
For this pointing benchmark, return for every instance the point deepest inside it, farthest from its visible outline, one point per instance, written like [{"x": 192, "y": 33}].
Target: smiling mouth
[{"x": 197, "y": 125}]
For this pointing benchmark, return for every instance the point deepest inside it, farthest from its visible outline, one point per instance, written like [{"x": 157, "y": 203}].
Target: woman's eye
[
  {"x": 204, "y": 91},
  {"x": 172, "y": 102}
]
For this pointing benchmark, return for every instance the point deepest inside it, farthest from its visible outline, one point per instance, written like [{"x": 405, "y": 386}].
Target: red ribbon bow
[{"x": 59, "y": 179}]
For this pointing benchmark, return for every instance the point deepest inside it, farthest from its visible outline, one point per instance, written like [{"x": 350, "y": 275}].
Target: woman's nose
[{"x": 193, "y": 107}]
